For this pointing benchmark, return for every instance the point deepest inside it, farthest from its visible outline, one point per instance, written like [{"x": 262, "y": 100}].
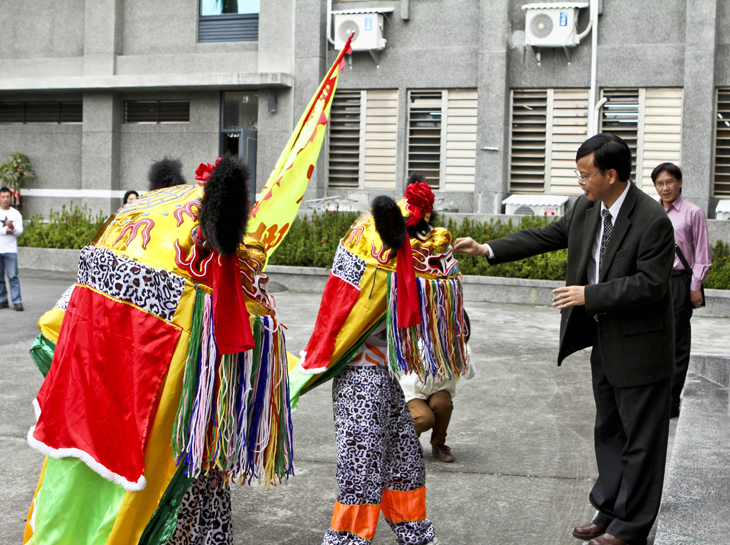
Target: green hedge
[
  {"x": 718, "y": 277},
  {"x": 72, "y": 227},
  {"x": 313, "y": 242}
]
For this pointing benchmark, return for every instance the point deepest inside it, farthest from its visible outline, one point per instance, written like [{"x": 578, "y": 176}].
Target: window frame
[{"x": 157, "y": 112}]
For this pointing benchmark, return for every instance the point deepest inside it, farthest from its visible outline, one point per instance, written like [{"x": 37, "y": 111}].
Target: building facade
[{"x": 94, "y": 91}]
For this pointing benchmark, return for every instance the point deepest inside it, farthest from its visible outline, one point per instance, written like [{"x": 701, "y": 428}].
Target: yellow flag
[{"x": 274, "y": 212}]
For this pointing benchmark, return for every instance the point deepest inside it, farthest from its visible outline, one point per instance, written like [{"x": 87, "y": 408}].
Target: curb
[{"x": 483, "y": 289}]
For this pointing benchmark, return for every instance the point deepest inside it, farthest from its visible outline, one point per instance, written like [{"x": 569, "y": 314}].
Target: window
[
  {"x": 650, "y": 120},
  {"x": 229, "y": 20},
  {"x": 344, "y": 140},
  {"x": 240, "y": 110},
  {"x": 41, "y": 112},
  {"x": 160, "y": 111},
  {"x": 548, "y": 126},
  {"x": 721, "y": 178},
  {"x": 424, "y": 135},
  {"x": 620, "y": 117},
  {"x": 363, "y": 139},
  {"x": 527, "y": 157},
  {"x": 442, "y": 128}
]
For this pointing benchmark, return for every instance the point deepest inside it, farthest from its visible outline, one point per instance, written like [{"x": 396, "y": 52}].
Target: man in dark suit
[{"x": 617, "y": 299}]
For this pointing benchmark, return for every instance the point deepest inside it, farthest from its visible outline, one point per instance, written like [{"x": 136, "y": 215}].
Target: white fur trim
[
  {"x": 88, "y": 460},
  {"x": 317, "y": 371}
]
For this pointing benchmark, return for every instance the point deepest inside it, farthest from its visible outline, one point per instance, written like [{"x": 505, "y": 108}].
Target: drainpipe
[
  {"x": 592, "y": 107},
  {"x": 329, "y": 22}
]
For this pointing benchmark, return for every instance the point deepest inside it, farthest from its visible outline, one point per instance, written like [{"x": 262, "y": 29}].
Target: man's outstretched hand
[{"x": 468, "y": 245}]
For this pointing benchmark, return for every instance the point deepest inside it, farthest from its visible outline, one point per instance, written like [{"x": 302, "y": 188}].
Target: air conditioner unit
[
  {"x": 552, "y": 25},
  {"x": 368, "y": 29},
  {"x": 536, "y": 205}
]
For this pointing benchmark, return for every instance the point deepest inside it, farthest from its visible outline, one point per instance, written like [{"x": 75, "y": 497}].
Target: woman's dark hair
[
  {"x": 127, "y": 194},
  {"x": 669, "y": 168},
  {"x": 609, "y": 152}
]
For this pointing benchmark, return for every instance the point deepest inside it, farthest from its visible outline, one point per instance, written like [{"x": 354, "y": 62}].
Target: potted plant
[{"x": 15, "y": 173}]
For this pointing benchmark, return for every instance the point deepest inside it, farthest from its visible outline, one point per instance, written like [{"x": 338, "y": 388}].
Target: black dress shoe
[
  {"x": 589, "y": 531},
  {"x": 19, "y": 306},
  {"x": 3, "y": 304}
]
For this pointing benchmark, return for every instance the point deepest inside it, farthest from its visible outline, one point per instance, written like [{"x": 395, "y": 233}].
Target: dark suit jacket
[{"x": 632, "y": 302}]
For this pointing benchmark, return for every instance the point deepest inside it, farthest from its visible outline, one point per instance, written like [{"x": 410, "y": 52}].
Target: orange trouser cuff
[
  {"x": 400, "y": 506},
  {"x": 361, "y": 520}
]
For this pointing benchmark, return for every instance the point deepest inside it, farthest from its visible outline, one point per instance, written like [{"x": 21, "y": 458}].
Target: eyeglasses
[
  {"x": 668, "y": 183},
  {"x": 582, "y": 180}
]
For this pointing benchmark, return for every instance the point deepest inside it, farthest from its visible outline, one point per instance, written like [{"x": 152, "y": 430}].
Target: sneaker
[
  {"x": 3, "y": 304},
  {"x": 443, "y": 453},
  {"x": 19, "y": 306}
]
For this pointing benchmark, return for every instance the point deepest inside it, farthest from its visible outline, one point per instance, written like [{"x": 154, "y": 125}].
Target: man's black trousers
[
  {"x": 631, "y": 434},
  {"x": 682, "y": 333}
]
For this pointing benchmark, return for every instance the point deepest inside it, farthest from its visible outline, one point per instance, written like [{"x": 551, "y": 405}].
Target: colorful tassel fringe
[
  {"x": 436, "y": 347},
  {"x": 234, "y": 412}
]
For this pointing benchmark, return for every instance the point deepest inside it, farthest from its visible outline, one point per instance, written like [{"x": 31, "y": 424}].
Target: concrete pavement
[{"x": 521, "y": 432}]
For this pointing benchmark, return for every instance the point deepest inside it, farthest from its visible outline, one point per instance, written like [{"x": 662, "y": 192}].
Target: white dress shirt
[{"x": 592, "y": 271}]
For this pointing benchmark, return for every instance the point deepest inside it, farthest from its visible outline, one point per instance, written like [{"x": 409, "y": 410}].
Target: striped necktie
[{"x": 607, "y": 228}]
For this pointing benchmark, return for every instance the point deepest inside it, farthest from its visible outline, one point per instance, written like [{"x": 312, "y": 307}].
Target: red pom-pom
[
  {"x": 205, "y": 170},
  {"x": 420, "y": 201}
]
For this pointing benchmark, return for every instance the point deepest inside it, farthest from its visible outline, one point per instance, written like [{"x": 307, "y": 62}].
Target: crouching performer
[
  {"x": 392, "y": 304},
  {"x": 168, "y": 376}
]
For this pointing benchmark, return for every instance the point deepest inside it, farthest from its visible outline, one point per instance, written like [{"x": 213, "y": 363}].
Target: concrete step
[{"x": 696, "y": 499}]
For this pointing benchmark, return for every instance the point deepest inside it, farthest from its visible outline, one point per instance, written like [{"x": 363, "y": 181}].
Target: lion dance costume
[
  {"x": 168, "y": 374},
  {"x": 392, "y": 304}
]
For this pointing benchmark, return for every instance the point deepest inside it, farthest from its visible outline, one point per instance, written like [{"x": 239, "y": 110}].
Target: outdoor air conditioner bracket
[
  {"x": 375, "y": 54},
  {"x": 536, "y": 50}
]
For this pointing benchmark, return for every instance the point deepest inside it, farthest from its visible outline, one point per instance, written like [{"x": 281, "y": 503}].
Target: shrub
[
  {"x": 718, "y": 277},
  {"x": 72, "y": 227},
  {"x": 313, "y": 243}
]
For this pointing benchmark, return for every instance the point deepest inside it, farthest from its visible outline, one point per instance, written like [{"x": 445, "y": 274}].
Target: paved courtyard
[{"x": 521, "y": 432}]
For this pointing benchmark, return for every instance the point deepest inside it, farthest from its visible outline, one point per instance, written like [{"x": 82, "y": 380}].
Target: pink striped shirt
[{"x": 690, "y": 232}]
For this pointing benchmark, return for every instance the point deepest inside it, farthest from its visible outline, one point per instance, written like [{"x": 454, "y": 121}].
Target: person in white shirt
[
  {"x": 431, "y": 404},
  {"x": 11, "y": 226}
]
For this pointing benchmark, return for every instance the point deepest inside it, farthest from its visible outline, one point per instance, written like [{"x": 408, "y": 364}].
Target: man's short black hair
[
  {"x": 4, "y": 189},
  {"x": 609, "y": 152},
  {"x": 669, "y": 168}
]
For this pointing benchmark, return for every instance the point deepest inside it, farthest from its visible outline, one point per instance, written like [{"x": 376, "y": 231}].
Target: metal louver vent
[
  {"x": 721, "y": 187},
  {"x": 346, "y": 28},
  {"x": 344, "y": 139},
  {"x": 157, "y": 112},
  {"x": 541, "y": 25},
  {"x": 41, "y": 112},
  {"x": 424, "y": 135},
  {"x": 620, "y": 117}
]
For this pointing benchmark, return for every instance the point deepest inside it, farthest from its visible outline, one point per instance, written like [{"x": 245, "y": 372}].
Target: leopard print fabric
[
  {"x": 377, "y": 448},
  {"x": 348, "y": 266},
  {"x": 204, "y": 517},
  {"x": 155, "y": 290}
]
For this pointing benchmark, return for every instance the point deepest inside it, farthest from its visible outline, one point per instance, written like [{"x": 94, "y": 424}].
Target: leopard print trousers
[
  {"x": 204, "y": 517},
  {"x": 377, "y": 449}
]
